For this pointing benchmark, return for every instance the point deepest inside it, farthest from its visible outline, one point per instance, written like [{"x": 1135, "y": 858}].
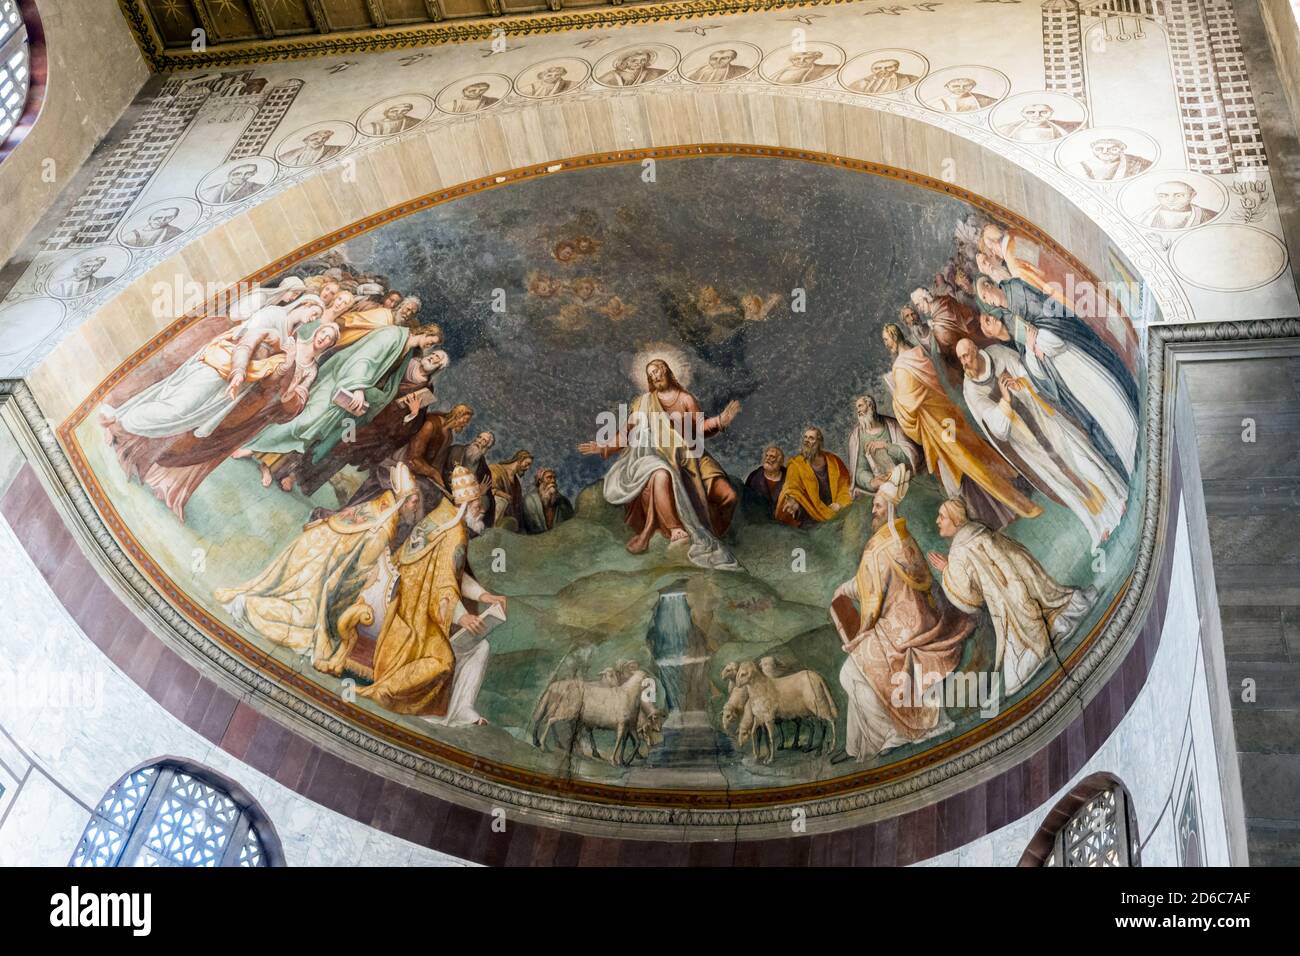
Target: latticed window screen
[
  {"x": 1097, "y": 834},
  {"x": 165, "y": 816},
  {"x": 14, "y": 79}
]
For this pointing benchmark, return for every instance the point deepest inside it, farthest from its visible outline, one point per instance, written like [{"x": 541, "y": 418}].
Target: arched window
[
  {"x": 15, "y": 67},
  {"x": 1093, "y": 825},
  {"x": 173, "y": 813}
]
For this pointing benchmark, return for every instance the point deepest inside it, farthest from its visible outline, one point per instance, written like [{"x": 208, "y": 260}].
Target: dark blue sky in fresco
[{"x": 538, "y": 373}]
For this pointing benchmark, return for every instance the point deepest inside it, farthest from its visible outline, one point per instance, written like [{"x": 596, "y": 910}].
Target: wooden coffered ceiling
[{"x": 247, "y": 31}]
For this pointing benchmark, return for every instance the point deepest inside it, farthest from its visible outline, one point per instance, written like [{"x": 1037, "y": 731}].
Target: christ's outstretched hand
[{"x": 729, "y": 413}]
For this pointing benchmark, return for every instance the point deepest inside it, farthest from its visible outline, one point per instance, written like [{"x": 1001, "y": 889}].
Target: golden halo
[{"x": 677, "y": 360}]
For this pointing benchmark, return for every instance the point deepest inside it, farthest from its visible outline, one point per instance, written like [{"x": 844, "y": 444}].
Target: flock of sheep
[
  {"x": 621, "y": 699},
  {"x": 760, "y": 700}
]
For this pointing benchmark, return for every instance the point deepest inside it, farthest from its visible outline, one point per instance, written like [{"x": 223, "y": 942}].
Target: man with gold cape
[
  {"x": 963, "y": 462},
  {"x": 905, "y": 643},
  {"x": 296, "y": 600},
  {"x": 417, "y": 670},
  {"x": 817, "y": 484}
]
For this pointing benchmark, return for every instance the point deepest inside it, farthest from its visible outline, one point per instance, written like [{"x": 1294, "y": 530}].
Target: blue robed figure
[{"x": 1071, "y": 366}]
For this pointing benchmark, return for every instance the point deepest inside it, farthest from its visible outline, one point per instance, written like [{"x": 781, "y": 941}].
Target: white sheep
[
  {"x": 617, "y": 701},
  {"x": 794, "y": 696},
  {"x": 737, "y": 708}
]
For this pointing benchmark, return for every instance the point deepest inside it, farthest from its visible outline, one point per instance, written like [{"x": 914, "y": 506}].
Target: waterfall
[
  {"x": 679, "y": 654},
  {"x": 681, "y": 658}
]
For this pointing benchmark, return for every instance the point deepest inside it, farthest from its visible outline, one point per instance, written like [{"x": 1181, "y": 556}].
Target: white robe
[
  {"x": 1045, "y": 442},
  {"x": 1029, "y": 609},
  {"x": 193, "y": 398},
  {"x": 1094, "y": 384},
  {"x": 643, "y": 456},
  {"x": 472, "y": 653}
]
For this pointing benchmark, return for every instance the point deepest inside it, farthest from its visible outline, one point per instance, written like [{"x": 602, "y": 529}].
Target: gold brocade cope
[
  {"x": 870, "y": 571},
  {"x": 414, "y": 662},
  {"x": 293, "y": 601},
  {"x": 905, "y": 645}
]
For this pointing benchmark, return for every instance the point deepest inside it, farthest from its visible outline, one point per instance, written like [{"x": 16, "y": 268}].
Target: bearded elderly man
[
  {"x": 903, "y": 645},
  {"x": 985, "y": 568},
  {"x": 508, "y": 491},
  {"x": 417, "y": 670},
  {"x": 884, "y": 78},
  {"x": 876, "y": 445},
  {"x": 817, "y": 484},
  {"x": 763, "y": 485},
  {"x": 544, "y": 506}
]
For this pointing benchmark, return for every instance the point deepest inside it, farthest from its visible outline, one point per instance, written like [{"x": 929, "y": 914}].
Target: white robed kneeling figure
[
  {"x": 900, "y": 644},
  {"x": 1029, "y": 610}
]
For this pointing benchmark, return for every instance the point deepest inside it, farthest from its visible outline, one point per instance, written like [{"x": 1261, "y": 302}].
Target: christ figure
[{"x": 663, "y": 476}]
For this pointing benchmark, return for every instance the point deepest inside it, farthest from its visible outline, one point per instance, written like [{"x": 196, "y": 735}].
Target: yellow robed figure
[
  {"x": 353, "y": 326},
  {"x": 414, "y": 661},
  {"x": 952, "y": 449},
  {"x": 292, "y": 601},
  {"x": 801, "y": 487}
]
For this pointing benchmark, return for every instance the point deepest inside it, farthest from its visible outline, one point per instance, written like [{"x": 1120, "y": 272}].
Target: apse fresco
[{"x": 711, "y": 475}]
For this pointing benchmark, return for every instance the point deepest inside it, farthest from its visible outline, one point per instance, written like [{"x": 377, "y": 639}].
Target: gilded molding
[{"x": 162, "y": 59}]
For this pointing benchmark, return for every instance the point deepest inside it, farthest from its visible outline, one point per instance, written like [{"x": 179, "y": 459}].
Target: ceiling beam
[
  {"x": 262, "y": 17},
  {"x": 316, "y": 10},
  {"x": 328, "y": 42},
  {"x": 376, "y": 12}
]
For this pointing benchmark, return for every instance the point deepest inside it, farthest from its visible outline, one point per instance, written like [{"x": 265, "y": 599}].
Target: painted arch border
[{"x": 394, "y": 747}]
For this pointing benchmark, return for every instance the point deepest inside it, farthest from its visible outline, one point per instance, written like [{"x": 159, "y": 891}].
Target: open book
[{"x": 462, "y": 639}]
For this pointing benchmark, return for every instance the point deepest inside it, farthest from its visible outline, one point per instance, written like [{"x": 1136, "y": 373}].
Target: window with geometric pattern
[
  {"x": 1096, "y": 835},
  {"x": 1189, "y": 830},
  {"x": 174, "y": 814},
  {"x": 14, "y": 67}
]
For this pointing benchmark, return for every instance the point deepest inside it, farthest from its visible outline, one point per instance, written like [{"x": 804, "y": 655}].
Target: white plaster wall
[
  {"x": 60, "y": 750},
  {"x": 1168, "y": 724}
]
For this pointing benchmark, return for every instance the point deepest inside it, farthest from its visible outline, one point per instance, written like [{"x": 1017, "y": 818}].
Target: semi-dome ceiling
[{"x": 719, "y": 604}]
